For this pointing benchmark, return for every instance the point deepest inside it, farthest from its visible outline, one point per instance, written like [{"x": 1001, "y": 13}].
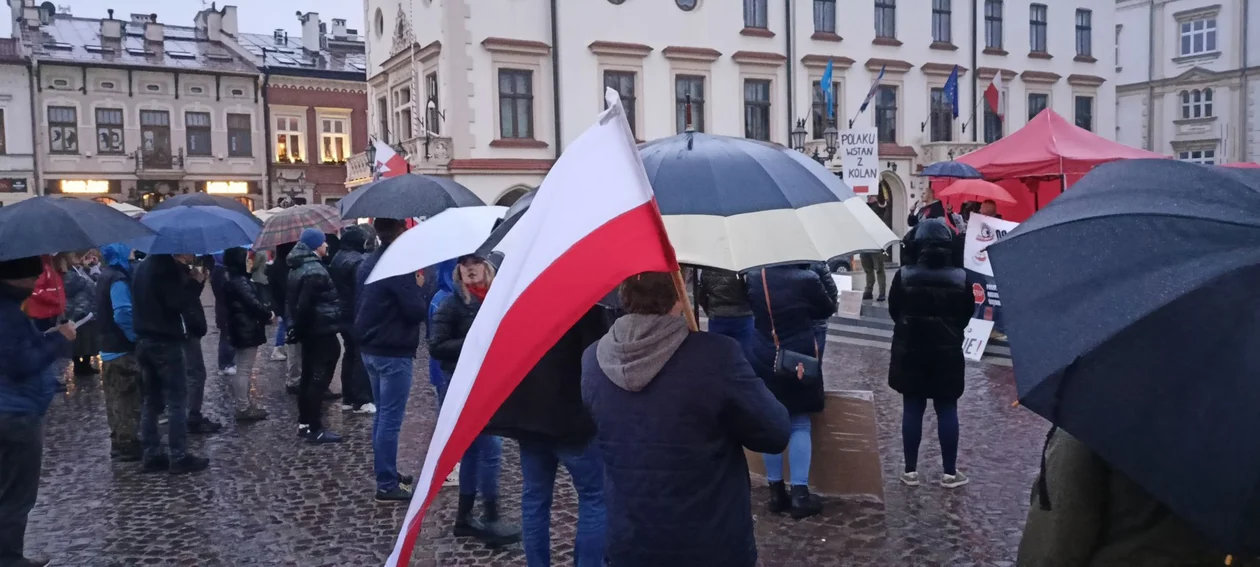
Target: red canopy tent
[{"x": 1039, "y": 160}]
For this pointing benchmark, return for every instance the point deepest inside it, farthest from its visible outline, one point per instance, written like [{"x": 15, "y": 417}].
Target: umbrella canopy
[
  {"x": 128, "y": 209},
  {"x": 1129, "y": 302},
  {"x": 1242, "y": 165},
  {"x": 196, "y": 230},
  {"x": 955, "y": 169},
  {"x": 735, "y": 204},
  {"x": 265, "y": 214},
  {"x": 208, "y": 200},
  {"x": 406, "y": 196},
  {"x": 287, "y": 225},
  {"x": 978, "y": 189},
  {"x": 48, "y": 225},
  {"x": 450, "y": 234}
]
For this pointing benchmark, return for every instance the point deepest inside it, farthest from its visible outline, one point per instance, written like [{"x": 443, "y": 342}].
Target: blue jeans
[
  {"x": 391, "y": 386},
  {"x": 479, "y": 469},
  {"x": 227, "y": 354},
  {"x": 800, "y": 452},
  {"x": 165, "y": 384},
  {"x": 739, "y": 328},
  {"x": 281, "y": 330},
  {"x": 538, "y": 474},
  {"x": 946, "y": 429}
]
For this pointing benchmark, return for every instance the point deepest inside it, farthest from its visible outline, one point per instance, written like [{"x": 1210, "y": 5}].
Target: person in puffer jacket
[
  {"x": 724, "y": 297},
  {"x": 314, "y": 319},
  {"x": 218, "y": 279},
  {"x": 246, "y": 318},
  {"x": 121, "y": 379},
  {"x": 356, "y": 390}
]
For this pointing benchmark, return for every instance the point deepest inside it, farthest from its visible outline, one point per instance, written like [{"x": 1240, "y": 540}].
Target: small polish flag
[
  {"x": 388, "y": 162},
  {"x": 993, "y": 95},
  {"x": 593, "y": 223}
]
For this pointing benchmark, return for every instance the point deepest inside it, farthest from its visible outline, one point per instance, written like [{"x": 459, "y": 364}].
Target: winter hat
[
  {"x": 21, "y": 268},
  {"x": 312, "y": 238}
]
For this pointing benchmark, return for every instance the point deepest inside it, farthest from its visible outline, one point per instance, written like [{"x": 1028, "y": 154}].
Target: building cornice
[
  {"x": 942, "y": 69},
  {"x": 515, "y": 46},
  {"x": 1041, "y": 77},
  {"x": 889, "y": 65},
  {"x": 1196, "y": 13},
  {"x": 617, "y": 48},
  {"x": 691, "y": 53},
  {"x": 987, "y": 73},
  {"x": 759, "y": 58},
  {"x": 500, "y": 165},
  {"x": 429, "y": 51},
  {"x": 814, "y": 61},
  {"x": 282, "y": 81},
  {"x": 1085, "y": 80}
]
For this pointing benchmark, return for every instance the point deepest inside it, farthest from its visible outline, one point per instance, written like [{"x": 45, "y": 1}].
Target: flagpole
[
  {"x": 974, "y": 110},
  {"x": 680, "y": 287}
]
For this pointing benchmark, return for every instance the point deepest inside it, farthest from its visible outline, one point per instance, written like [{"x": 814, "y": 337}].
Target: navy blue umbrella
[
  {"x": 48, "y": 225},
  {"x": 955, "y": 169},
  {"x": 406, "y": 196},
  {"x": 1130, "y": 303},
  {"x": 208, "y": 200},
  {"x": 196, "y": 230}
]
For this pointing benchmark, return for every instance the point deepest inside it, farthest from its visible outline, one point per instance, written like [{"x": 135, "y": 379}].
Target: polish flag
[
  {"x": 388, "y": 162},
  {"x": 993, "y": 95},
  {"x": 593, "y": 223}
]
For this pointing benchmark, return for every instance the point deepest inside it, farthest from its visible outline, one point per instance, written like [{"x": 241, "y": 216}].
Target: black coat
[
  {"x": 163, "y": 293},
  {"x": 450, "y": 324},
  {"x": 799, "y": 299},
  {"x": 344, "y": 270},
  {"x": 313, "y": 307},
  {"x": 278, "y": 277},
  {"x": 547, "y": 406},
  {"x": 723, "y": 294},
  {"x": 246, "y": 314},
  {"x": 930, "y": 306},
  {"x": 829, "y": 285}
]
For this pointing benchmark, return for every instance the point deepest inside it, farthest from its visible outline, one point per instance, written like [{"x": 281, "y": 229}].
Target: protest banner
[
  {"x": 983, "y": 231},
  {"x": 976, "y": 338},
  {"x": 860, "y": 150}
]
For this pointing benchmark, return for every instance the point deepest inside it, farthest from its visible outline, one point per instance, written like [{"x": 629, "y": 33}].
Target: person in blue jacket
[
  {"x": 26, "y": 390},
  {"x": 121, "y": 378},
  {"x": 445, "y": 287}
]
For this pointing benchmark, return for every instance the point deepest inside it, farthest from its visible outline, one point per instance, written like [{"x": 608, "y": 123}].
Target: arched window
[{"x": 1196, "y": 103}]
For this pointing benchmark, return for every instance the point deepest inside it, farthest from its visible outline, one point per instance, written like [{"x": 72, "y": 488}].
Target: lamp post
[
  {"x": 370, "y": 152},
  {"x": 830, "y": 138}
]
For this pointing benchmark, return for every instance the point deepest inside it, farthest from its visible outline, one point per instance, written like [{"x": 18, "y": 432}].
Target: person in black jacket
[
  {"x": 833, "y": 294},
  {"x": 164, "y": 293},
  {"x": 356, "y": 391},
  {"x": 930, "y": 306},
  {"x": 245, "y": 321},
  {"x": 218, "y": 279},
  {"x": 194, "y": 360},
  {"x": 314, "y": 318},
  {"x": 798, "y": 300},
  {"x": 278, "y": 281},
  {"x": 479, "y": 469},
  {"x": 724, "y": 297},
  {"x": 546, "y": 416}
]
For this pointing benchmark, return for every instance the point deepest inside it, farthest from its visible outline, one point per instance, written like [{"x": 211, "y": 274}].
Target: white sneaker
[
  {"x": 954, "y": 480},
  {"x": 368, "y": 408},
  {"x": 453, "y": 478},
  {"x": 278, "y": 354},
  {"x": 229, "y": 371},
  {"x": 910, "y": 478},
  {"x": 346, "y": 407}
]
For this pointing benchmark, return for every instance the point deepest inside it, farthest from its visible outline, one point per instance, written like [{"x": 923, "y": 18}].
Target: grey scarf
[{"x": 638, "y": 346}]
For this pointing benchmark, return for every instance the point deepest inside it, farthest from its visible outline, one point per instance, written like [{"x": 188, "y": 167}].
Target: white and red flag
[
  {"x": 388, "y": 162},
  {"x": 993, "y": 95},
  {"x": 593, "y": 223}
]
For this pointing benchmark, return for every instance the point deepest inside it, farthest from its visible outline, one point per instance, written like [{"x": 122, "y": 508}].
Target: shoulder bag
[{"x": 791, "y": 364}]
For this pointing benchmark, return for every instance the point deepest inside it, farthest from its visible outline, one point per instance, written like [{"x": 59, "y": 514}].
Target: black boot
[
  {"x": 497, "y": 532},
  {"x": 779, "y": 499},
  {"x": 804, "y": 504},
  {"x": 467, "y": 525}
]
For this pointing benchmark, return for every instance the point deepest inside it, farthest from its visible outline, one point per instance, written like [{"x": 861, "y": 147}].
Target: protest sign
[
  {"x": 860, "y": 150},
  {"x": 976, "y": 338},
  {"x": 981, "y": 232}
]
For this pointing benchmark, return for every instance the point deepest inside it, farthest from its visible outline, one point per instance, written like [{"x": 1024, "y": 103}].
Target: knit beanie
[{"x": 312, "y": 238}]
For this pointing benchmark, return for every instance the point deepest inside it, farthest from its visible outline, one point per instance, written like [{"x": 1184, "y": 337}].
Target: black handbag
[{"x": 790, "y": 364}]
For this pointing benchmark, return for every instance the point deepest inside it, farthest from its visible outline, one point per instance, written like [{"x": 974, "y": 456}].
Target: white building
[
  {"x": 17, "y": 145},
  {"x": 1185, "y": 79},
  {"x": 497, "y": 89}
]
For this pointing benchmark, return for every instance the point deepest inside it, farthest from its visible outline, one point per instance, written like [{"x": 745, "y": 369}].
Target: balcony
[
  {"x": 437, "y": 156},
  {"x": 159, "y": 164},
  {"x": 933, "y": 152}
]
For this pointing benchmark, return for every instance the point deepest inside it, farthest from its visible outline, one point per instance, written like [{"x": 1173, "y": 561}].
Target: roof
[
  {"x": 289, "y": 55},
  {"x": 78, "y": 41}
]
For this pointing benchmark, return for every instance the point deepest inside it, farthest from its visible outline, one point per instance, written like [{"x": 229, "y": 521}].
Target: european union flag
[
  {"x": 827, "y": 90},
  {"x": 951, "y": 90}
]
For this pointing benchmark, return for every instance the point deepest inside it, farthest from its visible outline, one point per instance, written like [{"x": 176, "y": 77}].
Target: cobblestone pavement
[{"x": 269, "y": 499}]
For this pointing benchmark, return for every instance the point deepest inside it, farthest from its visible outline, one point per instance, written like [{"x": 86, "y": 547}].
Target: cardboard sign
[
  {"x": 983, "y": 231},
  {"x": 976, "y": 338},
  {"x": 850, "y": 304},
  {"x": 860, "y": 148}
]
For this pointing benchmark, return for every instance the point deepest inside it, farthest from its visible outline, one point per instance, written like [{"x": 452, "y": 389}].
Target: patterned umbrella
[{"x": 286, "y": 226}]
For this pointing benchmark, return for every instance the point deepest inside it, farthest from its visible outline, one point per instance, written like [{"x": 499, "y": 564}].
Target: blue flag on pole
[
  {"x": 828, "y": 95},
  {"x": 874, "y": 87},
  {"x": 951, "y": 90}
]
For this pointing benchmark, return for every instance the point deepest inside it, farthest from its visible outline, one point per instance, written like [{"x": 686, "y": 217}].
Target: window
[
  {"x": 821, "y": 120},
  {"x": 402, "y": 114},
  {"x": 1084, "y": 33},
  {"x": 686, "y": 5},
  {"x": 378, "y": 22},
  {"x": 432, "y": 111},
  {"x": 63, "y": 129},
  {"x": 1196, "y": 104},
  {"x": 289, "y": 139},
  {"x": 886, "y": 18},
  {"x": 382, "y": 114},
  {"x": 623, "y": 83},
  {"x": 755, "y": 14},
  {"x": 993, "y": 24},
  {"x": 689, "y": 88},
  {"x": 1085, "y": 112},
  {"x": 153, "y": 88},
  {"x": 196, "y": 90},
  {"x": 993, "y": 128},
  {"x": 942, "y": 116},
  {"x": 1198, "y": 36},
  {"x": 942, "y": 28},
  {"x": 1037, "y": 102},
  {"x": 237, "y": 92},
  {"x": 107, "y": 85},
  {"x": 1037, "y": 28},
  {"x": 109, "y": 131},
  {"x": 334, "y": 140},
  {"x": 825, "y": 16},
  {"x": 886, "y": 114},
  {"x": 1205, "y": 157},
  {"x": 516, "y": 103},
  {"x": 757, "y": 109},
  {"x": 240, "y": 135},
  {"x": 155, "y": 139},
  {"x": 197, "y": 133}
]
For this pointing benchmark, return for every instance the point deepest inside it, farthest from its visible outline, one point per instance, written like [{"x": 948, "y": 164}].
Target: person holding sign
[{"x": 930, "y": 306}]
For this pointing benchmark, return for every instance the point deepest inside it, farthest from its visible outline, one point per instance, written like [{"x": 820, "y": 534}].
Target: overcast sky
[{"x": 255, "y": 16}]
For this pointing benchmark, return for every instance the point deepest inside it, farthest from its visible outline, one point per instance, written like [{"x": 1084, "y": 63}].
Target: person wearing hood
[
  {"x": 387, "y": 329},
  {"x": 356, "y": 390},
  {"x": 278, "y": 278},
  {"x": 479, "y": 469},
  {"x": 121, "y": 379},
  {"x": 314, "y": 319},
  {"x": 673, "y": 412},
  {"x": 218, "y": 280},
  {"x": 930, "y": 305},
  {"x": 246, "y": 318},
  {"x": 26, "y": 390}
]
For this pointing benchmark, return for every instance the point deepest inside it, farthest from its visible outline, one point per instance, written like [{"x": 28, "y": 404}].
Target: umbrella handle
[{"x": 680, "y": 287}]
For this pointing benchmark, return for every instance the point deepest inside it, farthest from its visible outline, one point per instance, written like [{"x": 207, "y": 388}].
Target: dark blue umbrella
[
  {"x": 1130, "y": 303},
  {"x": 208, "y": 200},
  {"x": 196, "y": 230},
  {"x": 406, "y": 196},
  {"x": 955, "y": 169},
  {"x": 48, "y": 225}
]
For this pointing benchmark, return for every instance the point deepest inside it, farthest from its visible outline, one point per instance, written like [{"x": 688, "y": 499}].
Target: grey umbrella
[
  {"x": 406, "y": 196},
  {"x": 48, "y": 225}
]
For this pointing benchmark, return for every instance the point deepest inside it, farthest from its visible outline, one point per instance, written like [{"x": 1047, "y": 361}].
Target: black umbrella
[
  {"x": 406, "y": 196},
  {"x": 48, "y": 225},
  {"x": 207, "y": 200},
  {"x": 505, "y": 224},
  {"x": 1130, "y": 302},
  {"x": 954, "y": 169}
]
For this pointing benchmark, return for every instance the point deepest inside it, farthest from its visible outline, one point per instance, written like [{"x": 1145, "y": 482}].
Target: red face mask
[{"x": 479, "y": 291}]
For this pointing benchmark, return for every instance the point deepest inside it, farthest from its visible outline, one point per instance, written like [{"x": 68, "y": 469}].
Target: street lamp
[
  {"x": 830, "y": 137},
  {"x": 798, "y": 136},
  {"x": 370, "y": 152}
]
